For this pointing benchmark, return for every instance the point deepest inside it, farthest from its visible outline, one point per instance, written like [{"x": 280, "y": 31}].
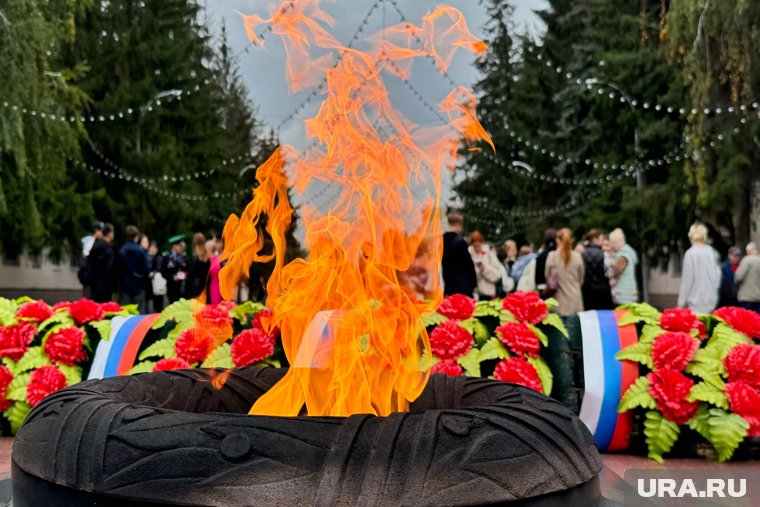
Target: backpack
[
  {"x": 85, "y": 273},
  {"x": 159, "y": 284}
]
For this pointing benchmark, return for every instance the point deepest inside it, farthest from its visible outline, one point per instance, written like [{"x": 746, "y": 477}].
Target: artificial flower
[
  {"x": 518, "y": 371},
  {"x": 36, "y": 311},
  {"x": 673, "y": 350},
  {"x": 215, "y": 315},
  {"x": 670, "y": 388},
  {"x": 66, "y": 346},
  {"x": 743, "y": 364},
  {"x": 6, "y": 377},
  {"x": 519, "y": 338},
  {"x": 450, "y": 341},
  {"x": 171, "y": 363},
  {"x": 84, "y": 311},
  {"x": 15, "y": 339},
  {"x": 457, "y": 307},
  {"x": 194, "y": 344},
  {"x": 681, "y": 320},
  {"x": 62, "y": 305},
  {"x": 263, "y": 320},
  {"x": 251, "y": 346},
  {"x": 744, "y": 321},
  {"x": 111, "y": 307},
  {"x": 43, "y": 382},
  {"x": 526, "y": 307},
  {"x": 447, "y": 367},
  {"x": 744, "y": 400}
]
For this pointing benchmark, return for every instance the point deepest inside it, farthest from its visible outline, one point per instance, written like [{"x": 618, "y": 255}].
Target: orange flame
[{"x": 349, "y": 314}]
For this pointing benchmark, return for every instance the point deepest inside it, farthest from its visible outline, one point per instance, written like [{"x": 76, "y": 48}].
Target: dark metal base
[{"x": 171, "y": 438}]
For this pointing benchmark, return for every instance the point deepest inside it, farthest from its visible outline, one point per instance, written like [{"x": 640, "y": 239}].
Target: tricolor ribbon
[{"x": 117, "y": 355}]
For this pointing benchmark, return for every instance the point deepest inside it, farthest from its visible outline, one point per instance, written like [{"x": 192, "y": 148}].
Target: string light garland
[{"x": 268, "y": 29}]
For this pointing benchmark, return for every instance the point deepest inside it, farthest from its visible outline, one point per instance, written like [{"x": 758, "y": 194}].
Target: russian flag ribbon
[
  {"x": 606, "y": 378},
  {"x": 117, "y": 355}
]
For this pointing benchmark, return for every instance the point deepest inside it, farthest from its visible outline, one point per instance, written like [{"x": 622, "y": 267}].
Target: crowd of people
[
  {"x": 596, "y": 273},
  {"x": 137, "y": 273}
]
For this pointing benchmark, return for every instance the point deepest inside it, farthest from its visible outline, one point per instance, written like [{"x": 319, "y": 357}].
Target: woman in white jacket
[
  {"x": 700, "y": 276},
  {"x": 487, "y": 266}
]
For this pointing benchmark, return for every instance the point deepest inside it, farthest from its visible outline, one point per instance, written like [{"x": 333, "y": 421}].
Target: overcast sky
[{"x": 262, "y": 69}]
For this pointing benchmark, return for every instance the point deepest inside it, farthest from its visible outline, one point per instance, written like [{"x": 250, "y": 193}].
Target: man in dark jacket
[
  {"x": 550, "y": 237},
  {"x": 597, "y": 294},
  {"x": 174, "y": 268},
  {"x": 100, "y": 265},
  {"x": 133, "y": 269},
  {"x": 458, "y": 269}
]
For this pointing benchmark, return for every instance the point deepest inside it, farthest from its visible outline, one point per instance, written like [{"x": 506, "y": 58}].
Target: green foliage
[
  {"x": 8, "y": 309},
  {"x": 637, "y": 395},
  {"x": 16, "y": 390},
  {"x": 708, "y": 393},
  {"x": 73, "y": 374},
  {"x": 701, "y": 421},
  {"x": 433, "y": 319},
  {"x": 16, "y": 414},
  {"x": 471, "y": 363},
  {"x": 727, "y": 431},
  {"x": 103, "y": 327},
  {"x": 490, "y": 308},
  {"x": 142, "y": 367},
  {"x": 221, "y": 357},
  {"x": 492, "y": 349},
  {"x": 179, "y": 311},
  {"x": 649, "y": 332},
  {"x": 162, "y": 348},
  {"x": 32, "y": 359},
  {"x": 723, "y": 339},
  {"x": 540, "y": 334},
  {"x": 544, "y": 373},
  {"x": 475, "y": 327},
  {"x": 638, "y": 352},
  {"x": 555, "y": 321},
  {"x": 640, "y": 312},
  {"x": 661, "y": 434},
  {"x": 243, "y": 311}
]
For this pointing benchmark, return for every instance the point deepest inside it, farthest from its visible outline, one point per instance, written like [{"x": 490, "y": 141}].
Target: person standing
[
  {"x": 83, "y": 274},
  {"x": 700, "y": 277},
  {"x": 174, "y": 268},
  {"x": 549, "y": 245},
  {"x": 487, "y": 266},
  {"x": 518, "y": 268},
  {"x": 157, "y": 280},
  {"x": 597, "y": 293},
  {"x": 133, "y": 269},
  {"x": 624, "y": 261},
  {"x": 748, "y": 278},
  {"x": 728, "y": 289},
  {"x": 198, "y": 267},
  {"x": 457, "y": 268},
  {"x": 213, "y": 291},
  {"x": 565, "y": 267},
  {"x": 101, "y": 263}
]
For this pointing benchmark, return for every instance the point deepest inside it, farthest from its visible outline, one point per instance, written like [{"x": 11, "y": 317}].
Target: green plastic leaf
[
  {"x": 640, "y": 312},
  {"x": 9, "y": 363},
  {"x": 23, "y": 299},
  {"x": 179, "y": 311},
  {"x": 705, "y": 371},
  {"x": 544, "y": 373},
  {"x": 727, "y": 431},
  {"x": 471, "y": 363},
  {"x": 73, "y": 374},
  {"x": 162, "y": 348},
  {"x": 51, "y": 330},
  {"x": 16, "y": 390},
  {"x": 700, "y": 421},
  {"x": 103, "y": 327},
  {"x": 422, "y": 364},
  {"x": 637, "y": 395},
  {"x": 244, "y": 311},
  {"x": 33, "y": 359},
  {"x": 638, "y": 352},
  {"x": 8, "y": 309},
  {"x": 480, "y": 332},
  {"x": 540, "y": 335},
  {"x": 273, "y": 363},
  {"x": 649, "y": 332},
  {"x": 16, "y": 414},
  {"x": 220, "y": 357},
  {"x": 709, "y": 394},
  {"x": 554, "y": 320},
  {"x": 551, "y": 303},
  {"x": 129, "y": 310},
  {"x": 723, "y": 339},
  {"x": 630, "y": 318},
  {"x": 506, "y": 316},
  {"x": 143, "y": 367},
  {"x": 492, "y": 349},
  {"x": 433, "y": 319},
  {"x": 487, "y": 309},
  {"x": 661, "y": 434},
  {"x": 58, "y": 319}
]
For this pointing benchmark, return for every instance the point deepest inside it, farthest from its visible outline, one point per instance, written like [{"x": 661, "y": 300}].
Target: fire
[{"x": 349, "y": 314}]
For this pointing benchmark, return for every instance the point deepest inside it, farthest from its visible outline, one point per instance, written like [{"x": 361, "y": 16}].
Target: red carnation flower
[
  {"x": 450, "y": 341},
  {"x": 681, "y": 320},
  {"x": 171, "y": 363},
  {"x": 744, "y": 321},
  {"x": 251, "y": 346},
  {"x": 526, "y": 307},
  {"x": 263, "y": 320},
  {"x": 66, "y": 346},
  {"x": 457, "y": 307},
  {"x": 43, "y": 382},
  {"x": 670, "y": 389},
  {"x": 111, "y": 307},
  {"x": 519, "y": 338},
  {"x": 447, "y": 367},
  {"x": 37, "y": 311},
  {"x": 6, "y": 377},
  {"x": 215, "y": 315},
  {"x": 194, "y": 345},
  {"x": 518, "y": 371},
  {"x": 745, "y": 401},
  {"x": 15, "y": 339},
  {"x": 743, "y": 364},
  {"x": 673, "y": 350},
  {"x": 84, "y": 311},
  {"x": 61, "y": 305}
]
